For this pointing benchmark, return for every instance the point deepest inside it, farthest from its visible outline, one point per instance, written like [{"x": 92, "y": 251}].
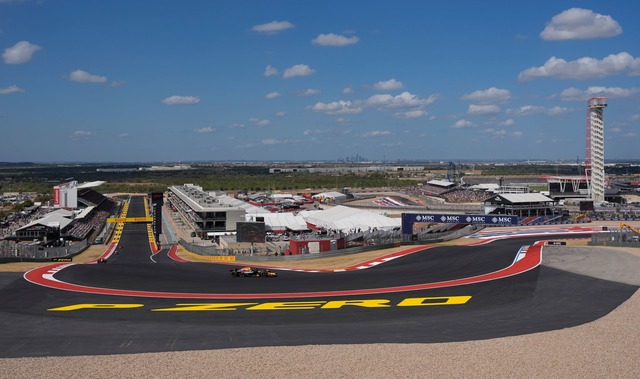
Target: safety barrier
[
  {"x": 616, "y": 237},
  {"x": 21, "y": 252}
]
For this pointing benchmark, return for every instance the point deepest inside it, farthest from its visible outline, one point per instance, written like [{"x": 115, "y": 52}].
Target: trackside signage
[
  {"x": 408, "y": 219},
  {"x": 460, "y": 219}
]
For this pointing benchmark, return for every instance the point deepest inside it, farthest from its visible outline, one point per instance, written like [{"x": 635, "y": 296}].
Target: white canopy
[
  {"x": 344, "y": 219},
  {"x": 280, "y": 221}
]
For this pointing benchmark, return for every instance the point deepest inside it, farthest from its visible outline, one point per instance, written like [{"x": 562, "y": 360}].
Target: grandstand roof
[
  {"x": 486, "y": 186},
  {"x": 440, "y": 183},
  {"x": 85, "y": 212},
  {"x": 91, "y": 184},
  {"x": 515, "y": 198},
  {"x": 53, "y": 219},
  {"x": 551, "y": 178}
]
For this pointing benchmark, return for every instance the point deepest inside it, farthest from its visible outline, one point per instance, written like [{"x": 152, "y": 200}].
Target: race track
[{"x": 145, "y": 302}]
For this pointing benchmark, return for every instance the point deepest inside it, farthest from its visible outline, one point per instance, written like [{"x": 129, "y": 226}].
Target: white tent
[
  {"x": 344, "y": 219},
  {"x": 280, "y": 221}
]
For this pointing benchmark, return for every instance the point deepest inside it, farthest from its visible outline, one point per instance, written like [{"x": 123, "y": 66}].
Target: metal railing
[
  {"x": 616, "y": 237},
  {"x": 25, "y": 252},
  {"x": 201, "y": 248}
]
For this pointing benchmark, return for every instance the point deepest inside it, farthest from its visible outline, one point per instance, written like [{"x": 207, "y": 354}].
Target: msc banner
[
  {"x": 461, "y": 219},
  {"x": 408, "y": 219}
]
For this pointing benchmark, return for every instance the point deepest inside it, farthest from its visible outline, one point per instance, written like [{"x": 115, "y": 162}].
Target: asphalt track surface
[{"x": 297, "y": 308}]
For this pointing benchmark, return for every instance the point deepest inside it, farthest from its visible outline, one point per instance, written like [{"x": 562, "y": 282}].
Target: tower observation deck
[{"x": 594, "y": 157}]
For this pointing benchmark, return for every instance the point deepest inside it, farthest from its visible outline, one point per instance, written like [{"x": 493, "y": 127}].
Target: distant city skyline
[{"x": 187, "y": 81}]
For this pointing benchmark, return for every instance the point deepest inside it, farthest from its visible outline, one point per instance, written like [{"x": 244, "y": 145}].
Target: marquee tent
[{"x": 344, "y": 219}]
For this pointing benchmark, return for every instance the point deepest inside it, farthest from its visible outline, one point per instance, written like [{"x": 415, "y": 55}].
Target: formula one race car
[{"x": 248, "y": 271}]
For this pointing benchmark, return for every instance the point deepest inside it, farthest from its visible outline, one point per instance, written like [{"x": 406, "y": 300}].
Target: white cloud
[
  {"x": 272, "y": 95},
  {"x": 403, "y": 100},
  {"x": 377, "y": 133},
  {"x": 81, "y": 134},
  {"x": 486, "y": 109},
  {"x": 273, "y": 141},
  {"x": 575, "y": 94},
  {"x": 81, "y": 76},
  {"x": 123, "y": 135},
  {"x": 337, "y": 107},
  {"x": 489, "y": 95},
  {"x": 272, "y": 27},
  {"x": 298, "y": 70},
  {"x": 10, "y": 89},
  {"x": 20, "y": 53},
  {"x": 347, "y": 90},
  {"x": 270, "y": 71},
  {"x": 462, "y": 124},
  {"x": 635, "y": 117},
  {"x": 411, "y": 114},
  {"x": 577, "y": 23},
  {"x": 389, "y": 85},
  {"x": 181, "y": 100},
  {"x": 281, "y": 114},
  {"x": 526, "y": 110},
  {"x": 508, "y": 122},
  {"x": 585, "y": 68},
  {"x": 501, "y": 133},
  {"x": 259, "y": 122},
  {"x": 558, "y": 110},
  {"x": 412, "y": 103},
  {"x": 310, "y": 92},
  {"x": 334, "y": 40},
  {"x": 208, "y": 129},
  {"x": 236, "y": 126}
]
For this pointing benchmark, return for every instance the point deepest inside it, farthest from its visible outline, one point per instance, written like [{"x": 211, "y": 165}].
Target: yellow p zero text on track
[{"x": 278, "y": 305}]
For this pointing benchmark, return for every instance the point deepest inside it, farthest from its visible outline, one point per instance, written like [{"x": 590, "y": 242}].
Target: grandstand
[
  {"x": 77, "y": 224},
  {"x": 436, "y": 187},
  {"x": 521, "y": 205},
  {"x": 460, "y": 195}
]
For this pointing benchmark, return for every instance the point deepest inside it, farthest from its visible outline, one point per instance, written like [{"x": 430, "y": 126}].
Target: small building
[
  {"x": 519, "y": 204},
  {"x": 316, "y": 246}
]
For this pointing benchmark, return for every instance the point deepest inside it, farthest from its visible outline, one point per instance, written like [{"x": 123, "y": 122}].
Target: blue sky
[{"x": 122, "y": 81}]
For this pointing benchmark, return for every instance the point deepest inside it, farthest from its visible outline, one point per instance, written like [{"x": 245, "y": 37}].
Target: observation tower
[{"x": 594, "y": 157}]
